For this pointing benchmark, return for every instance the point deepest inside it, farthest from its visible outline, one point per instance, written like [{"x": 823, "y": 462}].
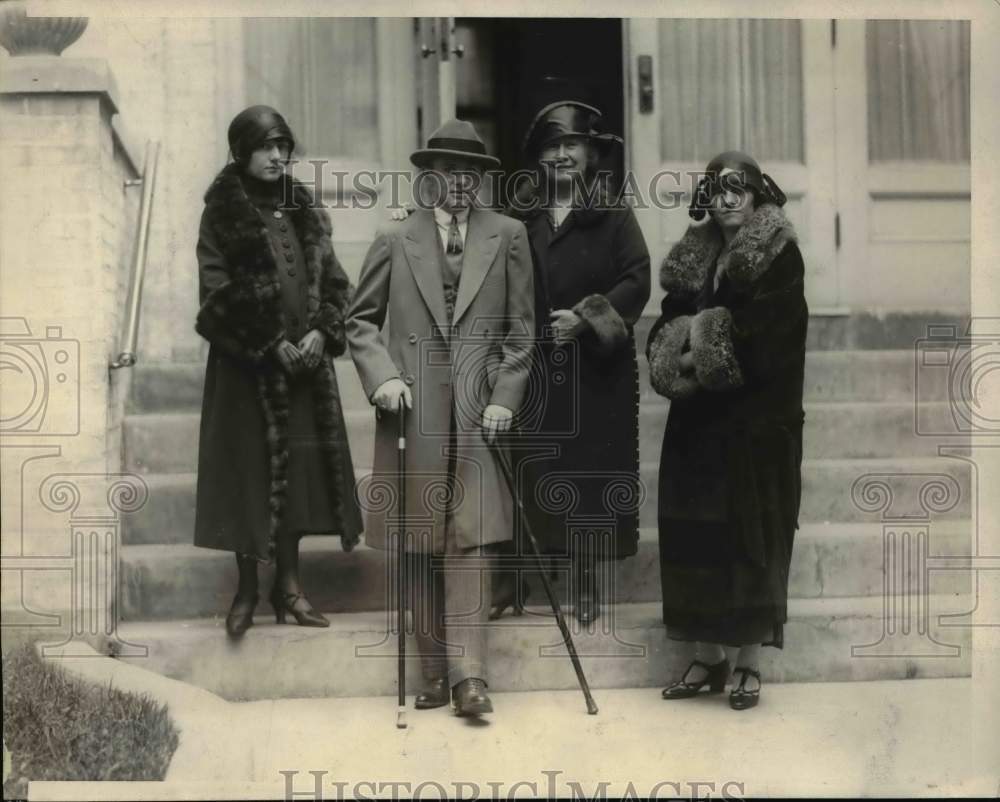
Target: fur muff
[
  {"x": 751, "y": 252},
  {"x": 715, "y": 362},
  {"x": 664, "y": 355},
  {"x": 604, "y": 320},
  {"x": 244, "y": 317}
]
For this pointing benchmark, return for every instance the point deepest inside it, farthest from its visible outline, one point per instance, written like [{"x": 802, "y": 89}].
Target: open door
[{"x": 699, "y": 87}]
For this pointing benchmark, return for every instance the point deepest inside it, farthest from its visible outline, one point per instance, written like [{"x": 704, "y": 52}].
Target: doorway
[{"x": 499, "y": 86}]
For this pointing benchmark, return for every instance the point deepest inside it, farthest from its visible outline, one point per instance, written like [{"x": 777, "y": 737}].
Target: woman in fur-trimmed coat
[
  {"x": 579, "y": 436},
  {"x": 274, "y": 462},
  {"x": 729, "y": 351}
]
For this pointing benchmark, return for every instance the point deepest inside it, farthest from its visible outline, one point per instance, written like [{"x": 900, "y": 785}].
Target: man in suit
[{"x": 454, "y": 283}]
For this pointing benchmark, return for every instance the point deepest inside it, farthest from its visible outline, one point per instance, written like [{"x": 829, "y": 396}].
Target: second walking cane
[
  {"x": 508, "y": 473},
  {"x": 400, "y": 561}
]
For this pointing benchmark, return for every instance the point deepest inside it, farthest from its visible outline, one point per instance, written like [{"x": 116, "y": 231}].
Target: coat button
[
  {"x": 283, "y": 227},
  {"x": 289, "y": 257},
  {"x": 409, "y": 378},
  {"x": 285, "y": 242},
  {"x": 412, "y": 338},
  {"x": 291, "y": 272}
]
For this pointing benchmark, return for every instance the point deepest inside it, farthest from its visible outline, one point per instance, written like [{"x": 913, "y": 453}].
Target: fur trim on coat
[
  {"x": 712, "y": 349},
  {"x": 710, "y": 332},
  {"x": 608, "y": 326},
  {"x": 664, "y": 355},
  {"x": 243, "y": 316},
  {"x": 751, "y": 252}
]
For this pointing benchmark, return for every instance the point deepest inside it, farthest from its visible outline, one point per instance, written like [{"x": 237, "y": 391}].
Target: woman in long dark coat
[
  {"x": 579, "y": 438},
  {"x": 274, "y": 462},
  {"x": 729, "y": 351}
]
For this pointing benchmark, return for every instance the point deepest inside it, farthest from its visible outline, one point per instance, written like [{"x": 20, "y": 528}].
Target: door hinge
[
  {"x": 833, "y": 33},
  {"x": 836, "y": 231}
]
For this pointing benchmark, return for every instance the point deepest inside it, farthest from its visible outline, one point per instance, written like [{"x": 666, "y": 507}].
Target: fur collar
[
  {"x": 751, "y": 253},
  {"x": 245, "y": 313},
  {"x": 244, "y": 235}
]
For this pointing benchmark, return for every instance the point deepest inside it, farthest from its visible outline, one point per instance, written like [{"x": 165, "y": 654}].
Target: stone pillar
[{"x": 69, "y": 211}]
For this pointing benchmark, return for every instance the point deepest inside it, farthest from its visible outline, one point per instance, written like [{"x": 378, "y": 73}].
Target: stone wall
[{"x": 69, "y": 222}]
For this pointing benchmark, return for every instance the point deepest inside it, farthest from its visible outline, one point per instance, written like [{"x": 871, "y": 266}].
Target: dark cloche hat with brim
[
  {"x": 566, "y": 109},
  {"x": 254, "y": 126},
  {"x": 750, "y": 175},
  {"x": 454, "y": 138}
]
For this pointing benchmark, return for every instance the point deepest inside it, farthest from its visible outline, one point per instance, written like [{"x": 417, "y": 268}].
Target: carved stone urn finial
[{"x": 24, "y": 35}]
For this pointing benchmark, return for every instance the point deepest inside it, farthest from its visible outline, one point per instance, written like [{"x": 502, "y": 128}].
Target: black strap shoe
[
  {"x": 240, "y": 617},
  {"x": 715, "y": 679},
  {"x": 469, "y": 698},
  {"x": 739, "y": 697},
  {"x": 298, "y": 606},
  {"x": 435, "y": 693}
]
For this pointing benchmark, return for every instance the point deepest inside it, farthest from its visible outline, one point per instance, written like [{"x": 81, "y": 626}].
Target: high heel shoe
[
  {"x": 240, "y": 617},
  {"x": 284, "y": 602},
  {"x": 508, "y": 595},
  {"x": 739, "y": 697},
  {"x": 715, "y": 679}
]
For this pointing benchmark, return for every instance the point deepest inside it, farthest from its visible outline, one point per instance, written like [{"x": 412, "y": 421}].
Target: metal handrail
[{"x": 127, "y": 357}]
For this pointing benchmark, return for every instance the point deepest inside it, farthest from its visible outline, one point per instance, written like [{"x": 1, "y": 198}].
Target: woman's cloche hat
[
  {"x": 566, "y": 118},
  {"x": 454, "y": 138},
  {"x": 254, "y": 126},
  {"x": 748, "y": 175}
]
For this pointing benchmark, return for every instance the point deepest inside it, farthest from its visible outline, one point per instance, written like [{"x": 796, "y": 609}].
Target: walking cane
[
  {"x": 508, "y": 473},
  {"x": 400, "y": 556}
]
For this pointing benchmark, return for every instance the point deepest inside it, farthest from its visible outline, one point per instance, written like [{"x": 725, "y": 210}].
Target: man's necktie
[{"x": 454, "y": 237}]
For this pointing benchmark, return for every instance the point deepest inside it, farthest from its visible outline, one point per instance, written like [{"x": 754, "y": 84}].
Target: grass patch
[{"x": 58, "y": 727}]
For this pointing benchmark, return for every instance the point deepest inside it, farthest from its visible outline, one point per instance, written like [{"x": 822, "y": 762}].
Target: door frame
[{"x": 815, "y": 182}]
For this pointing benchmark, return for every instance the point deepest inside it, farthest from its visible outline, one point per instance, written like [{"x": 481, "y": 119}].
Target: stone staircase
[{"x": 859, "y": 420}]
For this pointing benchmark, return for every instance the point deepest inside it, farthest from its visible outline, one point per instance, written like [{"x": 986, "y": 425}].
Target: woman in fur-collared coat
[
  {"x": 579, "y": 440},
  {"x": 274, "y": 462},
  {"x": 729, "y": 351}
]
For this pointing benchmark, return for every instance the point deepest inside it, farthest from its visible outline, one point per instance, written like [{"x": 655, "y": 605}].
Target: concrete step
[
  {"x": 168, "y": 516},
  {"x": 168, "y": 442},
  {"x": 830, "y": 376},
  {"x": 829, "y": 560},
  {"x": 829, "y": 329},
  {"x": 627, "y": 648}
]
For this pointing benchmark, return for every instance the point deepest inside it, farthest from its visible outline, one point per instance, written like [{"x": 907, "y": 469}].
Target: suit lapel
[
  {"x": 421, "y": 247},
  {"x": 481, "y": 244}
]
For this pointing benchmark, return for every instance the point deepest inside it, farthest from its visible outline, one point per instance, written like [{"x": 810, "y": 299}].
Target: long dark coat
[
  {"x": 243, "y": 450},
  {"x": 397, "y": 327},
  {"x": 729, "y": 484},
  {"x": 579, "y": 438}
]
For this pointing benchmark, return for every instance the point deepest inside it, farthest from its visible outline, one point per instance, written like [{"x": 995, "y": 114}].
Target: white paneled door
[{"x": 699, "y": 87}]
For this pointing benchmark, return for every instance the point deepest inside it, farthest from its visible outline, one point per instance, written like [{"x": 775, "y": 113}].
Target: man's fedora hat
[{"x": 454, "y": 138}]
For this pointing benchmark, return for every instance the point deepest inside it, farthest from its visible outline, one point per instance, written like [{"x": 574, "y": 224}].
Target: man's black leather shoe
[
  {"x": 470, "y": 699},
  {"x": 436, "y": 693}
]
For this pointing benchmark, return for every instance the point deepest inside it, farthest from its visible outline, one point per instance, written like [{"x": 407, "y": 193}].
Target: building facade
[{"x": 864, "y": 124}]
